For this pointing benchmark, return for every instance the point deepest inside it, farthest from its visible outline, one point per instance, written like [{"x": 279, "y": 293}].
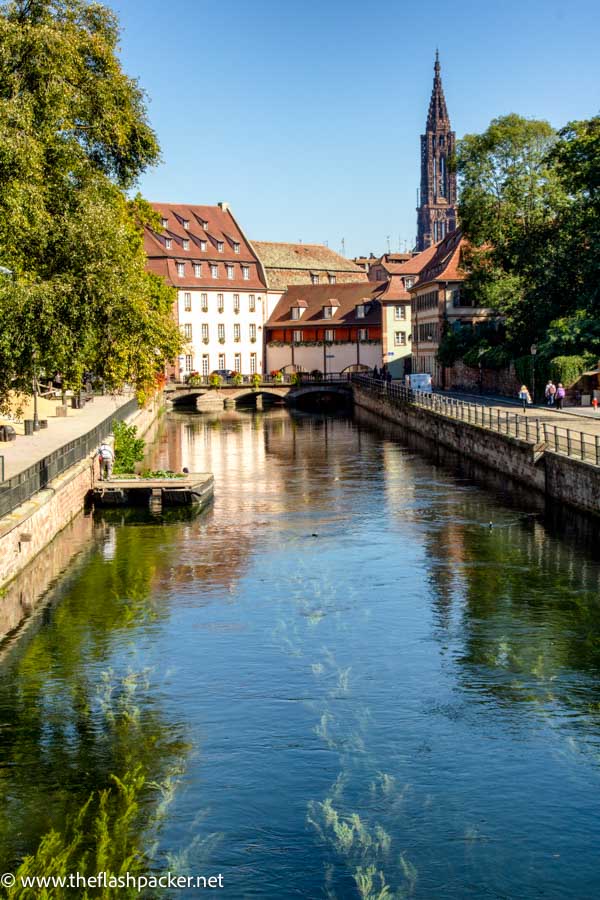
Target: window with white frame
[
  {"x": 186, "y": 244},
  {"x": 203, "y": 245},
  {"x": 400, "y": 312},
  {"x": 236, "y": 247},
  {"x": 253, "y": 363},
  {"x": 205, "y": 331},
  {"x": 408, "y": 282},
  {"x": 363, "y": 334},
  {"x": 329, "y": 334},
  {"x": 189, "y": 362},
  {"x": 246, "y": 273},
  {"x": 229, "y": 272},
  {"x": 220, "y": 246},
  {"x": 186, "y": 224},
  {"x": 252, "y": 303},
  {"x": 252, "y": 332},
  {"x": 221, "y": 360},
  {"x": 237, "y": 333},
  {"x": 181, "y": 269},
  {"x": 205, "y": 364},
  {"x": 331, "y": 277},
  {"x": 214, "y": 271},
  {"x": 164, "y": 222},
  {"x": 328, "y": 312},
  {"x": 360, "y": 311},
  {"x": 236, "y": 303},
  {"x": 221, "y": 303},
  {"x": 221, "y": 332},
  {"x": 297, "y": 336},
  {"x": 314, "y": 278},
  {"x": 295, "y": 312},
  {"x": 204, "y": 302},
  {"x": 237, "y": 362},
  {"x": 204, "y": 223},
  {"x": 399, "y": 339},
  {"x": 168, "y": 243},
  {"x": 198, "y": 270},
  {"x": 187, "y": 301},
  {"x": 187, "y": 331}
]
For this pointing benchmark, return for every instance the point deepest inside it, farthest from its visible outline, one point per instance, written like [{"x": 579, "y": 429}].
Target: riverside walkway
[{"x": 27, "y": 450}]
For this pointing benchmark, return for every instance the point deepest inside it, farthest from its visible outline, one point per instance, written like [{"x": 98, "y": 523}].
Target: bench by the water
[{"x": 193, "y": 490}]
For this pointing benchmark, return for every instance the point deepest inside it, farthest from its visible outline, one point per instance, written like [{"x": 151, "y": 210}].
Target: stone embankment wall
[
  {"x": 559, "y": 477},
  {"x": 28, "y": 529}
]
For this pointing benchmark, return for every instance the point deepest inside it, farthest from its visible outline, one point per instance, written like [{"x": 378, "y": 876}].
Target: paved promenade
[
  {"x": 577, "y": 418},
  {"x": 29, "y": 449}
]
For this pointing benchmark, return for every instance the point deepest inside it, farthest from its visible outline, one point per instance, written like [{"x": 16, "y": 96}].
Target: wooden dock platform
[{"x": 194, "y": 489}]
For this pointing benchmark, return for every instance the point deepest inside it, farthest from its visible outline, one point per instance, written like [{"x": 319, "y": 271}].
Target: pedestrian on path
[
  {"x": 106, "y": 458},
  {"x": 550, "y": 393},
  {"x": 525, "y": 397},
  {"x": 560, "y": 396}
]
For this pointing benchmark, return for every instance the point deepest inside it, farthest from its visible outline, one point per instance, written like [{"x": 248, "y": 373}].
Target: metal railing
[
  {"x": 25, "y": 484},
  {"x": 566, "y": 441},
  {"x": 286, "y": 378}
]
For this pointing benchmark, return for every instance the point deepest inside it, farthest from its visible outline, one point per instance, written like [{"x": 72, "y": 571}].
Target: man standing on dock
[{"x": 106, "y": 458}]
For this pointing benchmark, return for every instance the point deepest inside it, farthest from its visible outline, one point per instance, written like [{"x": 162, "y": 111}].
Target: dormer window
[
  {"x": 408, "y": 282},
  {"x": 168, "y": 243},
  {"x": 186, "y": 244},
  {"x": 360, "y": 311},
  {"x": 164, "y": 222},
  {"x": 331, "y": 277},
  {"x": 181, "y": 269},
  {"x": 236, "y": 247},
  {"x": 198, "y": 270},
  {"x": 220, "y": 246},
  {"x": 229, "y": 272},
  {"x": 314, "y": 278},
  {"x": 328, "y": 312},
  {"x": 296, "y": 312},
  {"x": 203, "y": 245},
  {"x": 186, "y": 224},
  {"x": 246, "y": 273},
  {"x": 204, "y": 223}
]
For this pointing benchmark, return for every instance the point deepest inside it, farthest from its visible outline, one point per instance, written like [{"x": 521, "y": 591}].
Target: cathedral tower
[{"x": 436, "y": 215}]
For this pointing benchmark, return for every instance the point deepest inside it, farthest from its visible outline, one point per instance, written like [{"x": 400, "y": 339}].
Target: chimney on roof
[{"x": 224, "y": 207}]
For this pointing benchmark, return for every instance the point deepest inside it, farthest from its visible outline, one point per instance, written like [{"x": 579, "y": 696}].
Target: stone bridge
[{"x": 207, "y": 398}]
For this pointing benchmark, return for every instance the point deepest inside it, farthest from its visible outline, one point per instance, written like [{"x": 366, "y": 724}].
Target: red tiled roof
[
  {"x": 221, "y": 227},
  {"x": 395, "y": 290},
  {"x": 349, "y": 296},
  {"x": 444, "y": 264}
]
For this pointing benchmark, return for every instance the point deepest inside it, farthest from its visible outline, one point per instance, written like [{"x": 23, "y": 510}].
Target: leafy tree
[{"x": 73, "y": 137}]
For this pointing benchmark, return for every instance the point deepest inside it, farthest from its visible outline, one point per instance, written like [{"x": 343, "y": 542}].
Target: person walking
[
  {"x": 550, "y": 393},
  {"x": 375, "y": 372},
  {"x": 525, "y": 397},
  {"x": 106, "y": 458},
  {"x": 560, "y": 395}
]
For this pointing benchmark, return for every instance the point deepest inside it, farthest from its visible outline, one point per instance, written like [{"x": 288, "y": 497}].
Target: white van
[{"x": 419, "y": 382}]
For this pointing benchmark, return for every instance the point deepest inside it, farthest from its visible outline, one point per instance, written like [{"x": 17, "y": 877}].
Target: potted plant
[
  {"x": 256, "y": 380},
  {"x": 215, "y": 380},
  {"x": 238, "y": 378}
]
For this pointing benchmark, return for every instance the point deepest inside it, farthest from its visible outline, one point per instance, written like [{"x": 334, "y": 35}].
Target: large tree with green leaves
[{"x": 74, "y": 137}]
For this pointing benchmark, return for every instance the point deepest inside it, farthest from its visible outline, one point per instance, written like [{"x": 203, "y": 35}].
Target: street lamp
[{"x": 533, "y": 351}]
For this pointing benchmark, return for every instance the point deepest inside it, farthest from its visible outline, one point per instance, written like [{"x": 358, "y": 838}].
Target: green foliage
[
  {"x": 194, "y": 380},
  {"x": 567, "y": 369},
  {"x": 295, "y": 379},
  {"x": 73, "y": 137},
  {"x": 256, "y": 380},
  {"x": 238, "y": 378},
  {"x": 129, "y": 448},
  {"x": 215, "y": 380}
]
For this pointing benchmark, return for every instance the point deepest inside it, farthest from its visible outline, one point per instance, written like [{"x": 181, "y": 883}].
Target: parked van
[{"x": 419, "y": 382}]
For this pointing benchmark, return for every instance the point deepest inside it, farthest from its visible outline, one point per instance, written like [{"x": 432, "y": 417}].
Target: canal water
[{"x": 339, "y": 681}]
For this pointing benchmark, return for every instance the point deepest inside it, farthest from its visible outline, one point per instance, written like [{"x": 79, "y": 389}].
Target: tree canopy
[
  {"x": 74, "y": 136},
  {"x": 529, "y": 207}
]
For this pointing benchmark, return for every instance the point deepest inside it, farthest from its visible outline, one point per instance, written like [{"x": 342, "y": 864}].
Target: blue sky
[{"x": 306, "y": 116}]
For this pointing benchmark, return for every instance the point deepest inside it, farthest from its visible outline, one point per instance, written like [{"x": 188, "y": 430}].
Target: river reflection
[{"x": 370, "y": 692}]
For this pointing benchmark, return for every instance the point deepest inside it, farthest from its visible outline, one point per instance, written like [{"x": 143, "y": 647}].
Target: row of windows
[
  {"x": 429, "y": 332},
  {"x": 237, "y": 332},
  {"x": 426, "y": 301},
  {"x": 298, "y": 336},
  {"x": 222, "y": 363},
  {"x": 214, "y": 270},
  {"x": 187, "y": 302},
  {"x": 316, "y": 278},
  {"x": 203, "y": 244}
]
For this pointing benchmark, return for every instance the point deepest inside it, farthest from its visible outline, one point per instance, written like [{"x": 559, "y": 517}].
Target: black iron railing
[
  {"x": 567, "y": 441},
  {"x": 25, "y": 484}
]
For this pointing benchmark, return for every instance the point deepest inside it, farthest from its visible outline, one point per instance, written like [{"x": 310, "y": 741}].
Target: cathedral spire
[
  {"x": 437, "y": 209},
  {"x": 438, "y": 113}
]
